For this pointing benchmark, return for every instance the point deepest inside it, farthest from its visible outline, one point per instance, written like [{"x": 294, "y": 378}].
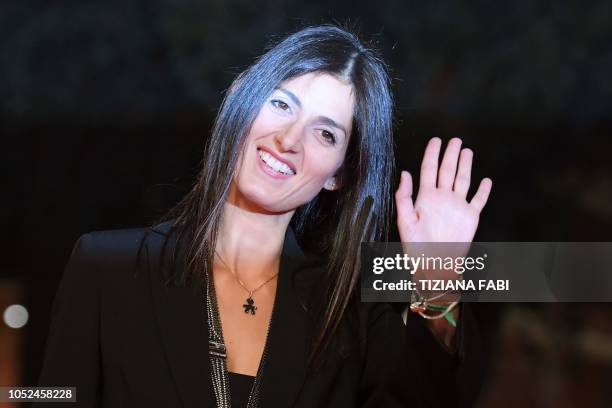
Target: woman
[{"x": 246, "y": 294}]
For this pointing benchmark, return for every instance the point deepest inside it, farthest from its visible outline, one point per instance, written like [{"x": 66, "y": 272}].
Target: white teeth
[{"x": 275, "y": 164}]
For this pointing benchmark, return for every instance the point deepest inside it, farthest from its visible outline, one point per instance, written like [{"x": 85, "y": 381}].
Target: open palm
[{"x": 441, "y": 212}]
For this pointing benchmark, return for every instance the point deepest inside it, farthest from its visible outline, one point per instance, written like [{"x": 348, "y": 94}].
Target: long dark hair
[{"x": 367, "y": 170}]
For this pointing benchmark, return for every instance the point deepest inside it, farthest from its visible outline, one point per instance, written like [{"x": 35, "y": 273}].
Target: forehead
[{"x": 324, "y": 94}]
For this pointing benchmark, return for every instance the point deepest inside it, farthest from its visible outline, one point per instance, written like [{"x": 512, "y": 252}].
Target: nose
[{"x": 290, "y": 139}]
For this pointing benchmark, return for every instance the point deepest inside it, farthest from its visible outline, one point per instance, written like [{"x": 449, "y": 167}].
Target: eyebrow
[
  {"x": 323, "y": 119},
  {"x": 291, "y": 95}
]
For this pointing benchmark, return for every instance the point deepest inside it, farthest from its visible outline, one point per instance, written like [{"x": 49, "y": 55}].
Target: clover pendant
[{"x": 249, "y": 306}]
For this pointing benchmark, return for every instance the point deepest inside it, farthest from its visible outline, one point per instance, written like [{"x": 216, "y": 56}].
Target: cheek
[
  {"x": 264, "y": 123},
  {"x": 323, "y": 160},
  {"x": 258, "y": 129},
  {"x": 323, "y": 165},
  {"x": 253, "y": 132}
]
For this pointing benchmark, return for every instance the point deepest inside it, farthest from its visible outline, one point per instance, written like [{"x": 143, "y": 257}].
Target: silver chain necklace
[{"x": 217, "y": 353}]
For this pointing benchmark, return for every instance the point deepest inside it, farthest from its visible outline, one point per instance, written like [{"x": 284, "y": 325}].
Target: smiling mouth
[{"x": 274, "y": 164}]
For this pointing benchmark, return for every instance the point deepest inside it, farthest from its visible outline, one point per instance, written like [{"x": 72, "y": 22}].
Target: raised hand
[{"x": 441, "y": 212}]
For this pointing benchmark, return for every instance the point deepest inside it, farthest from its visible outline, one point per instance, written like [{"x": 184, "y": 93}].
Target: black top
[
  {"x": 124, "y": 339},
  {"x": 240, "y": 387}
]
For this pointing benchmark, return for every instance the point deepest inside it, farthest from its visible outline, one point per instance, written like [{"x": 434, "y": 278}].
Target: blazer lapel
[
  {"x": 181, "y": 316},
  {"x": 285, "y": 367}
]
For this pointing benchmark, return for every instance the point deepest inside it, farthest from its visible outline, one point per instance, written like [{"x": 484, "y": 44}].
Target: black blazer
[{"x": 126, "y": 340}]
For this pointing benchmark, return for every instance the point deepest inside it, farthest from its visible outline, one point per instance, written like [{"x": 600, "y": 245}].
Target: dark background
[{"x": 105, "y": 107}]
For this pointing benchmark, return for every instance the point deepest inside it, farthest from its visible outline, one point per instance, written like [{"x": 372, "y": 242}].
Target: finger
[
  {"x": 403, "y": 200},
  {"x": 482, "y": 195},
  {"x": 429, "y": 166},
  {"x": 464, "y": 173},
  {"x": 448, "y": 168}
]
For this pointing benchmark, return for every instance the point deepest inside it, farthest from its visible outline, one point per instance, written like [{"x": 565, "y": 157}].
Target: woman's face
[{"x": 296, "y": 144}]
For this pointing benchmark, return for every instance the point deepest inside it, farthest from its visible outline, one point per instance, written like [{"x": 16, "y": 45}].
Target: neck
[{"x": 250, "y": 243}]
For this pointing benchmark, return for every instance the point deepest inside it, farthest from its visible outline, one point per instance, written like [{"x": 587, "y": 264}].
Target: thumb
[{"x": 403, "y": 200}]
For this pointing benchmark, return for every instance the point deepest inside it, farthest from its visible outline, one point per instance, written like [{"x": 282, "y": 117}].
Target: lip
[
  {"x": 280, "y": 159},
  {"x": 271, "y": 172}
]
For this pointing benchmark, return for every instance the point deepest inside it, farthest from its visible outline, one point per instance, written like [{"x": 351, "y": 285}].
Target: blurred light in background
[{"x": 15, "y": 316}]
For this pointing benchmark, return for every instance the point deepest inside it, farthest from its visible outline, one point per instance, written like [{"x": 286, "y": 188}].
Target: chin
[{"x": 257, "y": 200}]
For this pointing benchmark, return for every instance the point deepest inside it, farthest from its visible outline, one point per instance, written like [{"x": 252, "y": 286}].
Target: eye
[
  {"x": 277, "y": 103},
  {"x": 328, "y": 136}
]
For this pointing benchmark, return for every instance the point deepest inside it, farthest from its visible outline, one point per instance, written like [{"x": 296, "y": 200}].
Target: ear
[{"x": 332, "y": 183}]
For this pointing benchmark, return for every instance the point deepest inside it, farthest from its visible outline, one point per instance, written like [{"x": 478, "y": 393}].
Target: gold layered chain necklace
[{"x": 249, "y": 305}]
